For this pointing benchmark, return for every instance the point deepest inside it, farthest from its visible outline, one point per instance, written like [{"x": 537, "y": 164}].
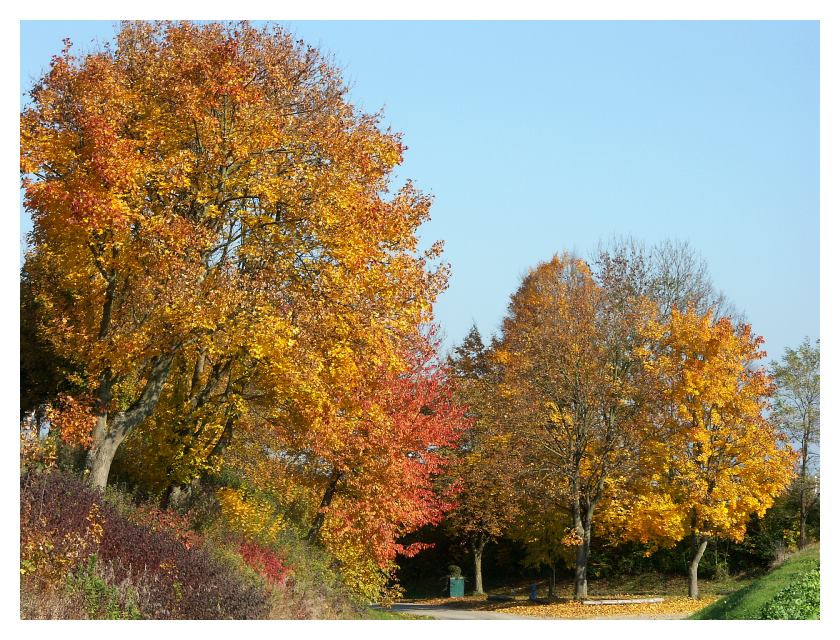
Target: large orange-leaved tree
[
  {"x": 212, "y": 226},
  {"x": 574, "y": 387}
]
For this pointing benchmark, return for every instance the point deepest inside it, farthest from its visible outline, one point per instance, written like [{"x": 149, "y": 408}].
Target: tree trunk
[
  {"x": 111, "y": 429},
  {"x": 581, "y": 560},
  {"x": 102, "y": 453},
  {"x": 803, "y": 516},
  {"x": 552, "y": 585},
  {"x": 700, "y": 548},
  {"x": 803, "y": 488},
  {"x": 583, "y": 527},
  {"x": 104, "y": 445},
  {"x": 318, "y": 522},
  {"x": 478, "y": 549}
]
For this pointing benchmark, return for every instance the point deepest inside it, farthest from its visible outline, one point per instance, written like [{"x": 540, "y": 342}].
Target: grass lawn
[
  {"x": 645, "y": 584},
  {"x": 746, "y": 603}
]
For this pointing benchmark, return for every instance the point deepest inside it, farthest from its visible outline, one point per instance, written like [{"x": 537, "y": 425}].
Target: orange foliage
[
  {"x": 215, "y": 236},
  {"x": 73, "y": 420}
]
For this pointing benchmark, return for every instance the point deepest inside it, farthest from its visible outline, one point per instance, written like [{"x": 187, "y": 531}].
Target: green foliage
[
  {"x": 748, "y": 603},
  {"x": 102, "y": 601},
  {"x": 797, "y": 402},
  {"x": 800, "y": 600}
]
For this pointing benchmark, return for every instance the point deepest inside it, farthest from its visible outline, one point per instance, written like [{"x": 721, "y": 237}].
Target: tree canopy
[{"x": 219, "y": 256}]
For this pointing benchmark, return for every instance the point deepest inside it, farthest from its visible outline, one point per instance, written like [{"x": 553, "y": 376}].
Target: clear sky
[{"x": 535, "y": 137}]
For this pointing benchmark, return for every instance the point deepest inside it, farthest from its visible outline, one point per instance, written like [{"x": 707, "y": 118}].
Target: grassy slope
[
  {"x": 746, "y": 603},
  {"x": 315, "y": 592}
]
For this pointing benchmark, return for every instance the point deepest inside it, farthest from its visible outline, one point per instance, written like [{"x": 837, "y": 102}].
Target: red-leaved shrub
[
  {"x": 265, "y": 562},
  {"x": 179, "y": 583}
]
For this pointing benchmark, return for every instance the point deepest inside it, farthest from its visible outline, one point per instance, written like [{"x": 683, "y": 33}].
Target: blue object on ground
[{"x": 456, "y": 587}]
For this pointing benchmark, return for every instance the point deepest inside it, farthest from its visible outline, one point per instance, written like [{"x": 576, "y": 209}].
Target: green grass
[
  {"x": 746, "y": 603},
  {"x": 644, "y": 584},
  {"x": 660, "y": 585}
]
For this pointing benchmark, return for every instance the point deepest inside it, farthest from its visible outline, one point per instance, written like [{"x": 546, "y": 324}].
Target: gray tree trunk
[
  {"x": 581, "y": 560},
  {"x": 583, "y": 527},
  {"x": 478, "y": 549},
  {"x": 102, "y": 452},
  {"x": 111, "y": 429},
  {"x": 803, "y": 516},
  {"x": 700, "y": 548}
]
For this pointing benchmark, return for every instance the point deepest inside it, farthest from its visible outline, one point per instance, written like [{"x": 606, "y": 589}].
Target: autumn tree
[
  {"x": 543, "y": 530},
  {"x": 671, "y": 273},
  {"x": 212, "y": 227},
  {"x": 572, "y": 380},
  {"x": 796, "y": 408},
  {"x": 486, "y": 503},
  {"x": 368, "y": 476},
  {"x": 43, "y": 375},
  {"x": 711, "y": 458}
]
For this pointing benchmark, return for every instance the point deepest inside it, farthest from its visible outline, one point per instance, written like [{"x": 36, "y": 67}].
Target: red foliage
[
  {"x": 166, "y": 520},
  {"x": 395, "y": 465},
  {"x": 179, "y": 583},
  {"x": 265, "y": 562}
]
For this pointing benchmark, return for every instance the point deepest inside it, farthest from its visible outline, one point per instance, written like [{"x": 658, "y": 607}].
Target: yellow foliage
[
  {"x": 184, "y": 213},
  {"x": 669, "y": 608},
  {"x": 360, "y": 569},
  {"x": 247, "y": 513},
  {"x": 711, "y": 459},
  {"x": 73, "y": 420},
  {"x": 36, "y": 451},
  {"x": 571, "y": 538}
]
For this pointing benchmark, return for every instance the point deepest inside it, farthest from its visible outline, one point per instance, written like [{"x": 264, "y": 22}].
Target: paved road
[{"x": 444, "y": 613}]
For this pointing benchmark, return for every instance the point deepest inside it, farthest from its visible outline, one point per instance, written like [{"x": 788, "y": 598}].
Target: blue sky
[{"x": 535, "y": 137}]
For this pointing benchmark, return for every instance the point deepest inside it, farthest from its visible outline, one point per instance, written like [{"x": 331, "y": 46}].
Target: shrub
[
  {"x": 800, "y": 600},
  {"x": 59, "y": 533},
  {"x": 265, "y": 562},
  {"x": 318, "y": 589},
  {"x": 103, "y": 600}
]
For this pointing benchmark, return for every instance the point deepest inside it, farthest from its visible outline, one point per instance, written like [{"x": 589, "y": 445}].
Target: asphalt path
[{"x": 445, "y": 613}]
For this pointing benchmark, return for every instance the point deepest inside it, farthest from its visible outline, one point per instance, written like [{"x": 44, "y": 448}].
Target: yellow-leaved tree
[{"x": 710, "y": 459}]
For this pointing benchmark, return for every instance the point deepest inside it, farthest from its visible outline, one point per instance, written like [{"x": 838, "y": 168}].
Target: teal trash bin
[{"x": 456, "y": 587}]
